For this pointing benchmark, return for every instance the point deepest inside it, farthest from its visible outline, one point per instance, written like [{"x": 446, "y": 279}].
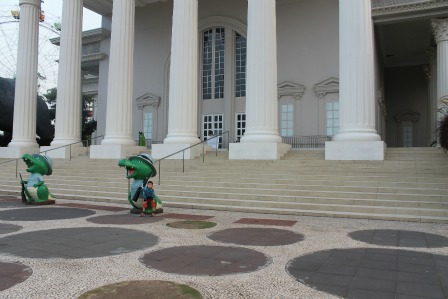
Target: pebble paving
[
  {"x": 206, "y": 260},
  {"x": 257, "y": 236},
  {"x": 311, "y": 257},
  {"x": 400, "y": 238},
  {"x": 123, "y": 219},
  {"x": 9, "y": 228},
  {"x": 76, "y": 243},
  {"x": 41, "y": 213},
  {"x": 13, "y": 273},
  {"x": 373, "y": 273}
]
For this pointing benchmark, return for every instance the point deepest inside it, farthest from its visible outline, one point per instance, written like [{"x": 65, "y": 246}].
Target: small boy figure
[{"x": 148, "y": 195}]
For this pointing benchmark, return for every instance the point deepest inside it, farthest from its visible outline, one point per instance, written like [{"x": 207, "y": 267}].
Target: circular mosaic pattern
[
  {"x": 191, "y": 224},
  {"x": 143, "y": 289},
  {"x": 39, "y": 213},
  {"x": 12, "y": 274},
  {"x": 373, "y": 273},
  {"x": 206, "y": 260},
  {"x": 8, "y": 228},
  {"x": 74, "y": 243},
  {"x": 257, "y": 236},
  {"x": 124, "y": 219},
  {"x": 399, "y": 238}
]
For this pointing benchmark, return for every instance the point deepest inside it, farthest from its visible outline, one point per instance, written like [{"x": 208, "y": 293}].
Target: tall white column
[
  {"x": 357, "y": 94},
  {"x": 120, "y": 84},
  {"x": 356, "y": 71},
  {"x": 261, "y": 140},
  {"x": 183, "y": 93},
  {"x": 25, "y": 101},
  {"x": 261, "y": 85},
  {"x": 68, "y": 112},
  {"x": 440, "y": 28}
]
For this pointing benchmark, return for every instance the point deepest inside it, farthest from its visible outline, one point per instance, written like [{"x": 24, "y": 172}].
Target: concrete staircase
[{"x": 410, "y": 185}]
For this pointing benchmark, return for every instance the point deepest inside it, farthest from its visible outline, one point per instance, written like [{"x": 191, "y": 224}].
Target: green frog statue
[
  {"x": 140, "y": 168},
  {"x": 34, "y": 188}
]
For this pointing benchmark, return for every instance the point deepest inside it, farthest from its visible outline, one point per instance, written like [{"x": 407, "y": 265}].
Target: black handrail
[
  {"x": 203, "y": 151},
  {"x": 70, "y": 155}
]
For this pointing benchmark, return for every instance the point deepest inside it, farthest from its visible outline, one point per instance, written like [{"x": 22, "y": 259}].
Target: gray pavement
[{"x": 65, "y": 250}]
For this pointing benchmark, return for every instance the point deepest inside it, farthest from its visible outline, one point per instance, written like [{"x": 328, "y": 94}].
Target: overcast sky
[{"x": 54, "y": 9}]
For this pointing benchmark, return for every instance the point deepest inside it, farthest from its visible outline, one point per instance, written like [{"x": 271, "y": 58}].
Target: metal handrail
[
  {"x": 203, "y": 152},
  {"x": 70, "y": 153}
]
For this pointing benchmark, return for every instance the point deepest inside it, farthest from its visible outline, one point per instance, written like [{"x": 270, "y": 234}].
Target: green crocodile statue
[
  {"x": 140, "y": 168},
  {"x": 34, "y": 188}
]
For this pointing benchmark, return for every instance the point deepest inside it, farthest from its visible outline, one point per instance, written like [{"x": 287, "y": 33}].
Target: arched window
[
  {"x": 223, "y": 58},
  {"x": 213, "y": 45}
]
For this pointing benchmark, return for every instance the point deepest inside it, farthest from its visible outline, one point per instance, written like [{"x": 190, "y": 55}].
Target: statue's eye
[
  {"x": 140, "y": 162},
  {"x": 37, "y": 157}
]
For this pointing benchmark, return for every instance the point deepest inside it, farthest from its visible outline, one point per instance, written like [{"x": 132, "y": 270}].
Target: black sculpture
[{"x": 44, "y": 129}]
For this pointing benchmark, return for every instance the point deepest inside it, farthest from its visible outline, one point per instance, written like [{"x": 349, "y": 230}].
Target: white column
[
  {"x": 261, "y": 140},
  {"x": 120, "y": 84},
  {"x": 357, "y": 94},
  {"x": 24, "y": 125},
  {"x": 440, "y": 28},
  {"x": 183, "y": 92},
  {"x": 261, "y": 85},
  {"x": 182, "y": 120},
  {"x": 68, "y": 108}
]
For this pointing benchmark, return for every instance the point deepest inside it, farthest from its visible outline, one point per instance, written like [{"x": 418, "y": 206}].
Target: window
[
  {"x": 286, "y": 120},
  {"x": 407, "y": 135},
  {"x": 240, "y": 65},
  {"x": 240, "y": 125},
  {"x": 147, "y": 125},
  {"x": 212, "y": 122},
  {"x": 332, "y": 109},
  {"x": 213, "y": 63}
]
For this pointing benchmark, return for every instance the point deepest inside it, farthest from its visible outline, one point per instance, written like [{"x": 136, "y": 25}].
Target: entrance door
[
  {"x": 240, "y": 126},
  {"x": 212, "y": 122}
]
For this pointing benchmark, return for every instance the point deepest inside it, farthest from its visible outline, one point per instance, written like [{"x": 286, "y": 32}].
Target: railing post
[
  {"x": 159, "y": 171},
  {"x": 203, "y": 152},
  {"x": 17, "y": 166},
  {"x": 217, "y": 145},
  {"x": 183, "y": 161},
  {"x": 70, "y": 152}
]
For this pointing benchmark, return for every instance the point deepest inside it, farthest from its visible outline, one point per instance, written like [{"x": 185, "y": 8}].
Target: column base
[
  {"x": 355, "y": 150},
  {"x": 58, "y": 152},
  {"x": 115, "y": 151},
  {"x": 160, "y": 151},
  {"x": 17, "y": 151},
  {"x": 258, "y": 150}
]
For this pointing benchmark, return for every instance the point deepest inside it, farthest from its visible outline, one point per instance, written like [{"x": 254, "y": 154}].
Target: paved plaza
[{"x": 71, "y": 248}]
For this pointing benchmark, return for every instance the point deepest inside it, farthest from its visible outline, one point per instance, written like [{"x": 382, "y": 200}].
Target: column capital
[
  {"x": 440, "y": 29},
  {"x": 30, "y": 2}
]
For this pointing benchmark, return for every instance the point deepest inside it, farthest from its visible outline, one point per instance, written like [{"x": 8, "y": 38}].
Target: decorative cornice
[
  {"x": 220, "y": 21},
  {"x": 148, "y": 99},
  {"x": 288, "y": 88},
  {"x": 440, "y": 29},
  {"x": 331, "y": 85},
  {"x": 93, "y": 57},
  {"x": 382, "y": 8},
  {"x": 407, "y": 115},
  {"x": 88, "y": 36}
]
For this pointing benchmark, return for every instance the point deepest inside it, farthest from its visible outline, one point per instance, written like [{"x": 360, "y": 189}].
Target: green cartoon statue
[
  {"x": 34, "y": 188},
  {"x": 140, "y": 168}
]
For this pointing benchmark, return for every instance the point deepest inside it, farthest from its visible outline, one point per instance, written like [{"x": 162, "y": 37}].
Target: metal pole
[
  {"x": 159, "y": 171},
  {"x": 203, "y": 154},
  {"x": 70, "y": 156},
  {"x": 183, "y": 161},
  {"x": 217, "y": 145},
  {"x": 17, "y": 166}
]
